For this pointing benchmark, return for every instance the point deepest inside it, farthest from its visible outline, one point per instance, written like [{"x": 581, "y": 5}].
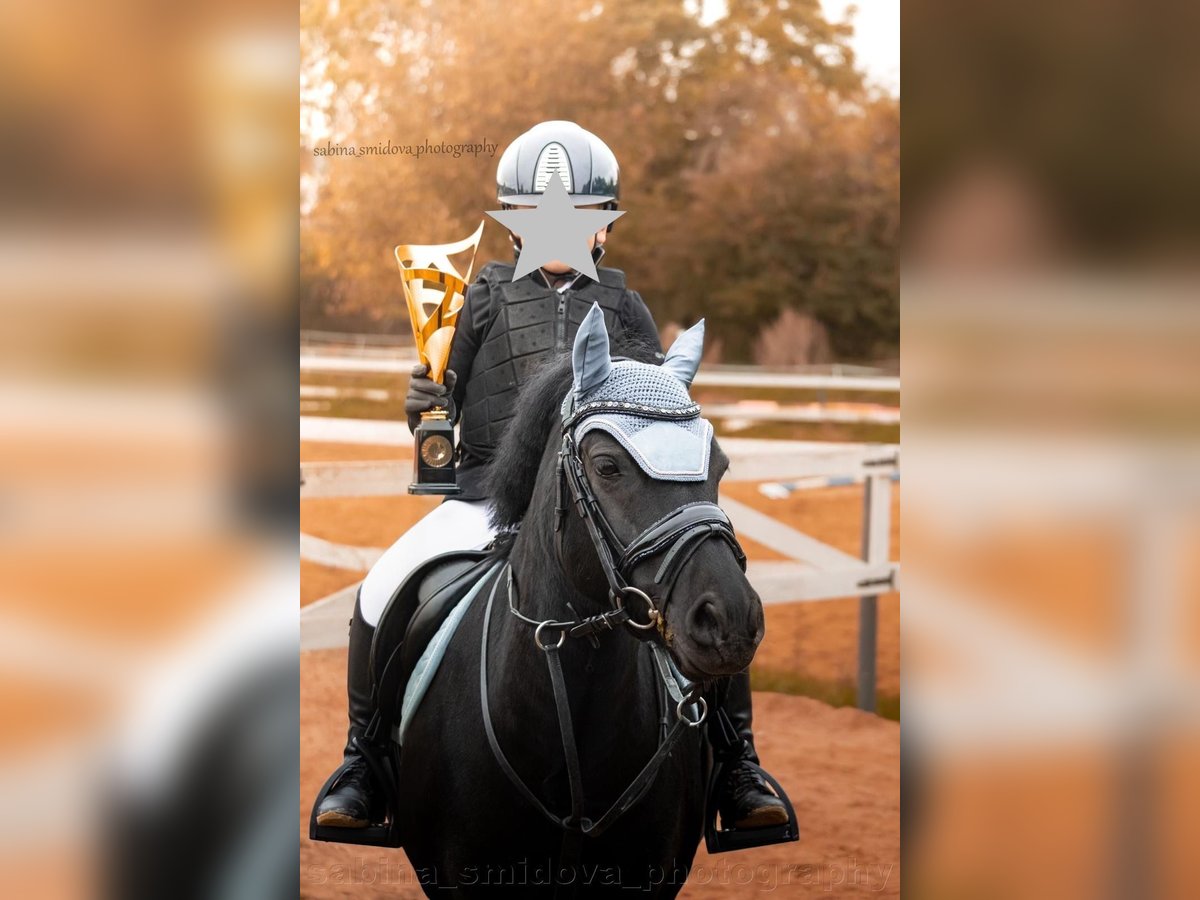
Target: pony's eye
[{"x": 605, "y": 466}]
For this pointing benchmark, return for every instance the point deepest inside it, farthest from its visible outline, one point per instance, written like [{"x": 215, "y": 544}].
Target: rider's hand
[{"x": 425, "y": 394}]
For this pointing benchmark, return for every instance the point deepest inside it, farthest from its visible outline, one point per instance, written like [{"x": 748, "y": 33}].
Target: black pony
[{"x": 532, "y": 830}]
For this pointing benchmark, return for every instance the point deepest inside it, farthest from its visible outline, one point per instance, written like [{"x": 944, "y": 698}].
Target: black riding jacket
[{"x": 506, "y": 331}]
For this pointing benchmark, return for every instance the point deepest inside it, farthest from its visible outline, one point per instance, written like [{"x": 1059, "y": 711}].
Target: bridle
[{"x": 675, "y": 537}]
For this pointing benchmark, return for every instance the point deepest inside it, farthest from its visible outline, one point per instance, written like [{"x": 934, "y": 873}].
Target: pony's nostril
[{"x": 705, "y": 620}]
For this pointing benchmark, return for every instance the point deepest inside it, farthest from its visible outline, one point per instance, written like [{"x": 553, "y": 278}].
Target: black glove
[{"x": 425, "y": 394}]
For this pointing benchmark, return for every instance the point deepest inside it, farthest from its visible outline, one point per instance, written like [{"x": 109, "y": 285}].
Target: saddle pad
[{"x": 427, "y": 665}]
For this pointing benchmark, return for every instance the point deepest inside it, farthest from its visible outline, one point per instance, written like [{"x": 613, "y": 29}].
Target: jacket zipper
[{"x": 560, "y": 325}]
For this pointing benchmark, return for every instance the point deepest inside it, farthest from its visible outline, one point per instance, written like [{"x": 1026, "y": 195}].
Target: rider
[{"x": 505, "y": 330}]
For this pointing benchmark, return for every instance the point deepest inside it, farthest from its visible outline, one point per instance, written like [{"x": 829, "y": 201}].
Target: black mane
[{"x": 513, "y": 469}]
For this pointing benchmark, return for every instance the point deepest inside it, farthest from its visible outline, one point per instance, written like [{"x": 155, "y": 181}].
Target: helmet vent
[{"x": 553, "y": 156}]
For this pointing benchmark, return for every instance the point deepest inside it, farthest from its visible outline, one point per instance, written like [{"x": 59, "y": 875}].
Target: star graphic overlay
[{"x": 555, "y": 229}]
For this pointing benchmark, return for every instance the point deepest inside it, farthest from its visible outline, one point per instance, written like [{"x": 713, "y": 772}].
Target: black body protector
[{"x": 524, "y": 323}]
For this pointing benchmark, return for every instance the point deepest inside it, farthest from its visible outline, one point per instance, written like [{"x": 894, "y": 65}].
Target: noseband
[{"x": 675, "y": 537}]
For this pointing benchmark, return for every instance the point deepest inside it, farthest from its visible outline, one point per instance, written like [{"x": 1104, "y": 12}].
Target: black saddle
[{"x": 410, "y": 620}]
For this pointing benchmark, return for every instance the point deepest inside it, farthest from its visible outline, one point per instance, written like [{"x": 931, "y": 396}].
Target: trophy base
[
  {"x": 434, "y": 489},
  {"x": 433, "y": 456}
]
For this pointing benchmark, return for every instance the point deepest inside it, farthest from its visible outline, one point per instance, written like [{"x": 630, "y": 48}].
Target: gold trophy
[{"x": 435, "y": 292}]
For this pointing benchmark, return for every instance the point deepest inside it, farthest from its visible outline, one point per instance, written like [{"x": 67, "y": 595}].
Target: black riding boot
[
  {"x": 353, "y": 801},
  {"x": 745, "y": 799}
]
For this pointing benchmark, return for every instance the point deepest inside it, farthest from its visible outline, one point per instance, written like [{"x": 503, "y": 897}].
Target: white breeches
[{"x": 453, "y": 525}]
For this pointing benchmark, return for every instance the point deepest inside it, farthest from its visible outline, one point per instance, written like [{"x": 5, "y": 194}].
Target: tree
[{"x": 758, "y": 172}]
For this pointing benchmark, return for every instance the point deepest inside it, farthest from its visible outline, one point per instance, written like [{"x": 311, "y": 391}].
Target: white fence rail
[
  {"x": 334, "y": 343},
  {"x": 401, "y": 361},
  {"x": 813, "y": 571},
  {"x": 393, "y": 362}
]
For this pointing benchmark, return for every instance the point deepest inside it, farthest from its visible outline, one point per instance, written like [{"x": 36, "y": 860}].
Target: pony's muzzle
[{"x": 725, "y": 634}]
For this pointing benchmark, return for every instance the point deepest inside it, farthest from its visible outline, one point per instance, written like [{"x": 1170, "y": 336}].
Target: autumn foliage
[{"x": 759, "y": 173}]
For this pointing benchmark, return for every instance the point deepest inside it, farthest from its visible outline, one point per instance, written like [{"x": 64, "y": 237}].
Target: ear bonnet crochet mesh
[{"x": 645, "y": 407}]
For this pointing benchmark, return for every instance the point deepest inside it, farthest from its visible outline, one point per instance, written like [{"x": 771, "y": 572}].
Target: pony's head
[{"x": 625, "y": 434}]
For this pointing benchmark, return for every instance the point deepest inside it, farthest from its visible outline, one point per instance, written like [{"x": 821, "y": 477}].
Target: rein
[
  {"x": 676, "y": 537},
  {"x": 575, "y": 822}
]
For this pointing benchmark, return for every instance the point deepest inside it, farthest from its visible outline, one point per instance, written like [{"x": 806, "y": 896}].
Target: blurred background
[
  {"x": 147, "y": 450},
  {"x": 1051, "y": 628}
]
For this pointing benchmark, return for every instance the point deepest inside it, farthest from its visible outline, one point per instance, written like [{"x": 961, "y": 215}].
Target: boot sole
[
  {"x": 337, "y": 819},
  {"x": 763, "y": 817}
]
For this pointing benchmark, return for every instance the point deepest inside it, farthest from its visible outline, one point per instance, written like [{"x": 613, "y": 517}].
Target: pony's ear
[
  {"x": 589, "y": 358},
  {"x": 683, "y": 359}
]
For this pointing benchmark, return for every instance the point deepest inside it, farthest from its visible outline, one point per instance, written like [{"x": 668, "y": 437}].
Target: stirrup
[
  {"x": 729, "y": 749},
  {"x": 382, "y": 834},
  {"x": 718, "y": 840}
]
